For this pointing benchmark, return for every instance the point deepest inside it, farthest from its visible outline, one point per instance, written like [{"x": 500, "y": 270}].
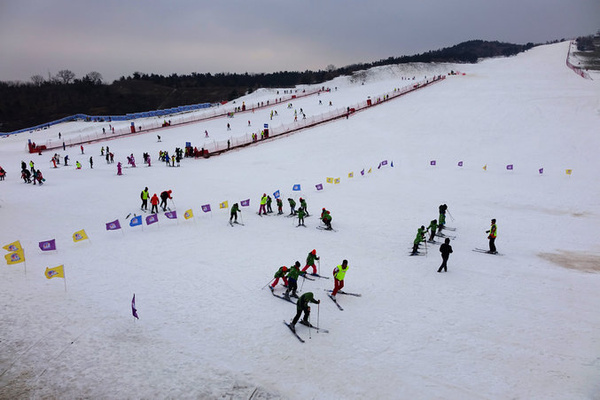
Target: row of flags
[
  {"x": 16, "y": 255},
  {"x": 509, "y": 167}
]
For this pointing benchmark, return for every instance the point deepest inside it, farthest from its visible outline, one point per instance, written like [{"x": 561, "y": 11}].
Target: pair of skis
[
  {"x": 477, "y": 250},
  {"x": 293, "y": 330}
]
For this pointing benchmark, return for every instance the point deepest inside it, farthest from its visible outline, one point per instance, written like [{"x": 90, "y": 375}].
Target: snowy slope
[{"x": 521, "y": 325}]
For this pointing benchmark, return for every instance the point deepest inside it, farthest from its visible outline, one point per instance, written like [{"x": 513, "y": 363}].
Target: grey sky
[{"x": 117, "y": 38}]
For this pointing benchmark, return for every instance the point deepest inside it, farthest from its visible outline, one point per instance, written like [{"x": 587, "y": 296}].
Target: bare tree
[
  {"x": 65, "y": 75},
  {"x": 94, "y": 77},
  {"x": 37, "y": 80},
  {"x": 330, "y": 68}
]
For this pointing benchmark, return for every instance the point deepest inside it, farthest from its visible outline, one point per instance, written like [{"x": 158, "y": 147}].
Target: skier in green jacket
[
  {"x": 432, "y": 229},
  {"x": 302, "y": 306},
  {"x": 233, "y": 213},
  {"x": 292, "y": 277},
  {"x": 326, "y": 218},
  {"x": 301, "y": 214},
  {"x": 418, "y": 239},
  {"x": 303, "y": 205},
  {"x": 280, "y": 274},
  {"x": 310, "y": 261},
  {"x": 292, "y": 206}
]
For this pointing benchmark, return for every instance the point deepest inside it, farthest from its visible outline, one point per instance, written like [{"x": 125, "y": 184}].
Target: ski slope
[{"x": 524, "y": 325}]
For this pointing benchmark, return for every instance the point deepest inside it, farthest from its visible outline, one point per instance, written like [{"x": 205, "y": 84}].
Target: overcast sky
[{"x": 118, "y": 38}]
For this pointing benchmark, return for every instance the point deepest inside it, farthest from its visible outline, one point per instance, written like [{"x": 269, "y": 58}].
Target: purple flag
[
  {"x": 509, "y": 167},
  {"x": 384, "y": 162},
  {"x": 171, "y": 214},
  {"x": 152, "y": 218},
  {"x": 277, "y": 194},
  {"x": 432, "y": 162},
  {"x": 319, "y": 186},
  {"x": 48, "y": 245},
  {"x": 296, "y": 187},
  {"x": 362, "y": 172},
  {"x": 206, "y": 208},
  {"x": 541, "y": 170},
  {"x": 133, "y": 309},
  {"x": 392, "y": 164},
  {"x": 113, "y": 226},
  {"x": 245, "y": 203},
  {"x": 379, "y": 166},
  {"x": 135, "y": 221},
  {"x": 460, "y": 163}
]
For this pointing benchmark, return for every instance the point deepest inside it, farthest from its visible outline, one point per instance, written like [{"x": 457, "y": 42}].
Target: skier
[
  {"x": 492, "y": 237},
  {"x": 292, "y": 206},
  {"x": 233, "y": 213},
  {"x": 418, "y": 239},
  {"x": 301, "y": 214},
  {"x": 77, "y": 165},
  {"x": 326, "y": 218},
  {"x": 154, "y": 202},
  {"x": 339, "y": 273},
  {"x": 442, "y": 218},
  {"x": 279, "y": 274},
  {"x": 310, "y": 261},
  {"x": 279, "y": 206},
  {"x": 145, "y": 195},
  {"x": 292, "y": 277},
  {"x": 263, "y": 203},
  {"x": 303, "y": 205},
  {"x": 433, "y": 226},
  {"x": 119, "y": 168},
  {"x": 2, "y": 174},
  {"x": 39, "y": 177},
  {"x": 302, "y": 307},
  {"x": 269, "y": 202},
  {"x": 445, "y": 249},
  {"x": 81, "y": 149},
  {"x": 164, "y": 196},
  {"x": 91, "y": 163}
]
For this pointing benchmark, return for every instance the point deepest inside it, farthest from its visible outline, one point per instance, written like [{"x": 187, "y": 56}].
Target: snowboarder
[
  {"x": 418, "y": 239},
  {"x": 445, "y": 249},
  {"x": 339, "y": 273},
  {"x": 310, "y": 261},
  {"x": 492, "y": 237},
  {"x": 433, "y": 226},
  {"x": 326, "y": 218},
  {"x": 233, "y": 213},
  {"x": 281, "y": 272},
  {"x": 263, "y": 203},
  {"x": 292, "y": 206},
  {"x": 144, "y": 196},
  {"x": 292, "y": 277},
  {"x": 302, "y": 307},
  {"x": 164, "y": 196},
  {"x": 301, "y": 214},
  {"x": 154, "y": 202}
]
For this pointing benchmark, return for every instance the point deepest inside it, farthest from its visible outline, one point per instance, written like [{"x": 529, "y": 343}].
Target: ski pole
[
  {"x": 304, "y": 280},
  {"x": 319, "y": 263},
  {"x": 450, "y": 214},
  {"x": 318, "y": 315},
  {"x": 308, "y": 319},
  {"x": 267, "y": 284},
  {"x": 425, "y": 248}
]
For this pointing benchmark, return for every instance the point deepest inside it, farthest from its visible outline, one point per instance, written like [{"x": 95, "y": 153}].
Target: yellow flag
[
  {"x": 337, "y": 180},
  {"x": 188, "y": 214},
  {"x": 351, "y": 175},
  {"x": 56, "y": 272},
  {"x": 14, "y": 246},
  {"x": 15, "y": 257},
  {"x": 485, "y": 167},
  {"x": 329, "y": 180},
  {"x": 79, "y": 235},
  {"x": 568, "y": 171},
  {"x": 224, "y": 204},
  {"x": 369, "y": 170}
]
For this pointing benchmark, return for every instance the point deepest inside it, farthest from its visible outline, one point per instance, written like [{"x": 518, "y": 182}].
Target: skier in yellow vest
[
  {"x": 339, "y": 273},
  {"x": 492, "y": 237}
]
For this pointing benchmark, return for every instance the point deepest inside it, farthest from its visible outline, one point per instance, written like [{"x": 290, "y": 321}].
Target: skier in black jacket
[{"x": 445, "y": 249}]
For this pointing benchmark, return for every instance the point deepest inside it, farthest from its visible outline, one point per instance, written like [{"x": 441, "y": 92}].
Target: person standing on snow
[
  {"x": 292, "y": 277},
  {"x": 339, "y": 273},
  {"x": 91, "y": 162},
  {"x": 263, "y": 204},
  {"x": 280, "y": 274},
  {"x": 302, "y": 307},
  {"x": 492, "y": 237},
  {"x": 301, "y": 214},
  {"x": 418, "y": 239},
  {"x": 154, "y": 202},
  {"x": 326, "y": 218},
  {"x": 233, "y": 213},
  {"x": 303, "y": 205},
  {"x": 292, "y": 206},
  {"x": 164, "y": 196},
  {"x": 269, "y": 202},
  {"x": 442, "y": 218},
  {"x": 279, "y": 206},
  {"x": 445, "y": 249},
  {"x": 433, "y": 226},
  {"x": 145, "y": 195},
  {"x": 310, "y": 261}
]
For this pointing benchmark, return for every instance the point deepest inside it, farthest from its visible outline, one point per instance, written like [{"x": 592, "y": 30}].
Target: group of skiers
[
  {"x": 290, "y": 281},
  {"x": 164, "y": 197},
  {"x": 29, "y": 175},
  {"x": 300, "y": 213}
]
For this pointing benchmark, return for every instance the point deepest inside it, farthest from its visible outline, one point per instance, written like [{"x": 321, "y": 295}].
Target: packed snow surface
[{"x": 522, "y": 325}]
